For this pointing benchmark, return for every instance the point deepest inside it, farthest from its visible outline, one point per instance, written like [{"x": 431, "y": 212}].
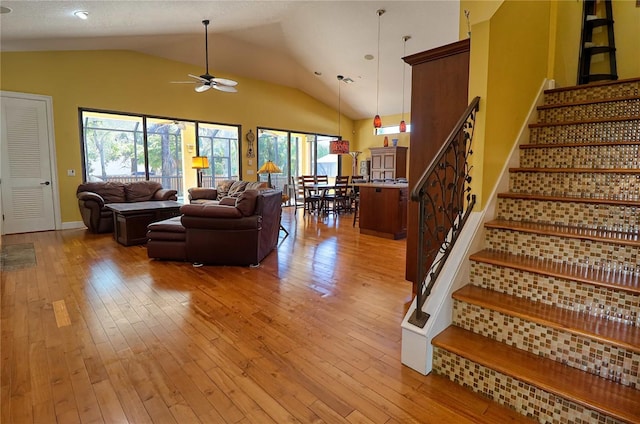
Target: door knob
[{"x": 45, "y": 183}]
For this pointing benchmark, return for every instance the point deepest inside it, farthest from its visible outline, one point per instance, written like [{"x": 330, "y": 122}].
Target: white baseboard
[{"x": 72, "y": 225}]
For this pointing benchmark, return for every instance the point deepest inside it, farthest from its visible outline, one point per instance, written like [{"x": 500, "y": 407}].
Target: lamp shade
[
  {"x": 269, "y": 168},
  {"x": 338, "y": 147},
  {"x": 377, "y": 122},
  {"x": 199, "y": 162}
]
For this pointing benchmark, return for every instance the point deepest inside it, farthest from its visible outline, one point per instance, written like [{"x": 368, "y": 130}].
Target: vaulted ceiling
[{"x": 283, "y": 42}]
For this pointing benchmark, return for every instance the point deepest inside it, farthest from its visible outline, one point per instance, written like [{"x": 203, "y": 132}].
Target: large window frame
[
  {"x": 293, "y": 158},
  {"x": 135, "y": 134}
]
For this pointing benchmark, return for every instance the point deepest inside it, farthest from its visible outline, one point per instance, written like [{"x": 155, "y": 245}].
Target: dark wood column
[{"x": 439, "y": 95}]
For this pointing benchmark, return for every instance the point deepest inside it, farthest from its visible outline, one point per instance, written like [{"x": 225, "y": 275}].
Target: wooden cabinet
[
  {"x": 439, "y": 95},
  {"x": 388, "y": 162}
]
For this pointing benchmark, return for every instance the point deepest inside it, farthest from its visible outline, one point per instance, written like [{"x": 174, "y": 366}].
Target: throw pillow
[
  {"x": 236, "y": 188},
  {"x": 223, "y": 188},
  {"x": 257, "y": 185},
  {"x": 246, "y": 202}
]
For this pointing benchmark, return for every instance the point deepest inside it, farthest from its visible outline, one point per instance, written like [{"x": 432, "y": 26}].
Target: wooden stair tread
[
  {"x": 586, "y": 102},
  {"x": 546, "y": 198},
  {"x": 598, "y": 144},
  {"x": 586, "y": 121},
  {"x": 616, "y": 281},
  {"x": 586, "y": 389},
  {"x": 592, "y": 234},
  {"x": 632, "y": 171},
  {"x": 606, "y": 331}
]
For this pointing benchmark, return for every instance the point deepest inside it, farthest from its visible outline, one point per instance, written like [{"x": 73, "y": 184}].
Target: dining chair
[
  {"x": 311, "y": 198},
  {"x": 338, "y": 197}
]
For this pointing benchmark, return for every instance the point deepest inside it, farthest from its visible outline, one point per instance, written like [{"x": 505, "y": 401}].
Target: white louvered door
[{"x": 27, "y": 189}]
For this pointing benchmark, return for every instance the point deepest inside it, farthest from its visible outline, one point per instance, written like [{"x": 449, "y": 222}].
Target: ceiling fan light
[
  {"x": 403, "y": 126},
  {"x": 377, "y": 122}
]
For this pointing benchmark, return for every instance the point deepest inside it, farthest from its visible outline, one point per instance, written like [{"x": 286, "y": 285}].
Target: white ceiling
[{"x": 283, "y": 42}]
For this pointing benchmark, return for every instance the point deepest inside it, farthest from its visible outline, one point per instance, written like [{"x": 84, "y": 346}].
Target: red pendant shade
[
  {"x": 338, "y": 147},
  {"x": 377, "y": 122},
  {"x": 403, "y": 126}
]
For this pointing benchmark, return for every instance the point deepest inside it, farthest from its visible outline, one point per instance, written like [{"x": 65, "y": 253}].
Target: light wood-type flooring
[{"x": 97, "y": 332}]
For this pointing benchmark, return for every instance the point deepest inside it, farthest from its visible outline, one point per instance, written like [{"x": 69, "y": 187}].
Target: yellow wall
[
  {"x": 365, "y": 138},
  {"x": 126, "y": 81},
  {"x": 626, "y": 31},
  {"x": 508, "y": 64}
]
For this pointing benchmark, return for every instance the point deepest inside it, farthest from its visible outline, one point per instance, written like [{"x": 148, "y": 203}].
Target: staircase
[{"x": 550, "y": 322}]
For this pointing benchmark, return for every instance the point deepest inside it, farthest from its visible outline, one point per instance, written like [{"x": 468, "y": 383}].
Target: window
[
  {"x": 394, "y": 129},
  {"x": 220, "y": 144},
  {"x": 296, "y": 154},
  {"x": 125, "y": 148}
]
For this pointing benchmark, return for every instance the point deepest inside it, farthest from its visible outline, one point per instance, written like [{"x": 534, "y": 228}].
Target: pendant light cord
[
  {"x": 380, "y": 12},
  {"x": 340, "y": 77}
]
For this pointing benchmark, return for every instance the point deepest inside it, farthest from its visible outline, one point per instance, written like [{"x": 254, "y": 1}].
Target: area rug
[{"x": 17, "y": 256}]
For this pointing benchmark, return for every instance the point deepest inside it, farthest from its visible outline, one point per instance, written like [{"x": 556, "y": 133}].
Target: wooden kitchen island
[{"x": 383, "y": 209}]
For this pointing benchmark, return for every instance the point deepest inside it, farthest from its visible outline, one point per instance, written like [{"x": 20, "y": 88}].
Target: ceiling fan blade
[
  {"x": 224, "y": 81},
  {"x": 198, "y": 78},
  {"x": 202, "y": 88},
  {"x": 183, "y": 82},
  {"x": 225, "y": 88}
]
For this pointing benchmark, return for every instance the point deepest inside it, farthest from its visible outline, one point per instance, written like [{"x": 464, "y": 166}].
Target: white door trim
[{"x": 48, "y": 101}]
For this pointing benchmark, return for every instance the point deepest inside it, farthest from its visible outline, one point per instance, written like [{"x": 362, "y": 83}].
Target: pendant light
[
  {"x": 339, "y": 146},
  {"x": 403, "y": 125},
  {"x": 377, "y": 122}
]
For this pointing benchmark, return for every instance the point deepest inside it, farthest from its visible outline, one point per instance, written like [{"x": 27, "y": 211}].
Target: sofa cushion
[
  {"x": 211, "y": 211},
  {"x": 110, "y": 191},
  {"x": 227, "y": 201},
  {"x": 236, "y": 188},
  {"x": 141, "y": 191},
  {"x": 223, "y": 188},
  {"x": 246, "y": 202}
]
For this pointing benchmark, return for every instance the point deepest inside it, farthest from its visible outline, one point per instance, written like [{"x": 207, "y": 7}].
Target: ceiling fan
[{"x": 206, "y": 80}]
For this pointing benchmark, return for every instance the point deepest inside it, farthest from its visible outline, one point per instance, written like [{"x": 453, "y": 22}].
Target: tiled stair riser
[
  {"x": 561, "y": 249},
  {"x": 567, "y": 294},
  {"x": 599, "y": 157},
  {"x": 613, "y": 186},
  {"x": 596, "y": 132},
  {"x": 580, "y": 94},
  {"x": 614, "y": 217},
  {"x": 611, "y": 362},
  {"x": 524, "y": 398},
  {"x": 610, "y": 109}
]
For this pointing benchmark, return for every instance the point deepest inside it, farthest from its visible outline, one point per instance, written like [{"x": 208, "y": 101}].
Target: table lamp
[
  {"x": 199, "y": 163},
  {"x": 269, "y": 168}
]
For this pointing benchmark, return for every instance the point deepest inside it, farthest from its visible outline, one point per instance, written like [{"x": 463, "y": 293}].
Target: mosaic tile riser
[
  {"x": 598, "y": 216},
  {"x": 614, "y": 186},
  {"x": 524, "y": 398},
  {"x": 598, "y": 157},
  {"x": 578, "y": 94},
  {"x": 559, "y": 249},
  {"x": 595, "y": 132},
  {"x": 610, "y": 362},
  {"x": 567, "y": 294},
  {"x": 611, "y": 109}
]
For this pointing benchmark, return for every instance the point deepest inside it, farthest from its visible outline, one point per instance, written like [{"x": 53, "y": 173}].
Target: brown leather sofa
[
  {"x": 225, "y": 188},
  {"x": 93, "y": 196},
  {"x": 233, "y": 231}
]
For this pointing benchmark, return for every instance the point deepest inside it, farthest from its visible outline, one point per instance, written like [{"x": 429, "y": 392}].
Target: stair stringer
[{"x": 417, "y": 351}]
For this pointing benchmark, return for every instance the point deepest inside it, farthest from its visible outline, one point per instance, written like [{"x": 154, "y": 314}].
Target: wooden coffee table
[{"x": 130, "y": 220}]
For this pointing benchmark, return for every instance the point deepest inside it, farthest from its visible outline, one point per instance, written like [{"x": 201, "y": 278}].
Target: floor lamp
[
  {"x": 199, "y": 163},
  {"x": 354, "y": 163}
]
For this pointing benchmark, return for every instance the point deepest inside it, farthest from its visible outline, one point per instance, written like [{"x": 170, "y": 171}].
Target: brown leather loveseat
[
  {"x": 93, "y": 196},
  {"x": 234, "y": 231}
]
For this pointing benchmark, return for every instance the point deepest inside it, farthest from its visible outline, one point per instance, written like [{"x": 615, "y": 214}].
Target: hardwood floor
[{"x": 97, "y": 332}]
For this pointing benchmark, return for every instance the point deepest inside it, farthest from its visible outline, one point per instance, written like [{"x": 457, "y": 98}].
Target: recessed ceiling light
[
  {"x": 82, "y": 14},
  {"x": 317, "y": 73},
  {"x": 368, "y": 56},
  {"x": 4, "y": 10}
]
